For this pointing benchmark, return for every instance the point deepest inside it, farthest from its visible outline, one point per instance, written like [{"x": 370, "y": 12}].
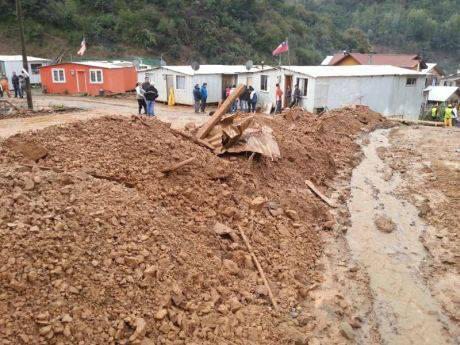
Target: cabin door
[
  {"x": 227, "y": 80},
  {"x": 81, "y": 81},
  {"x": 169, "y": 85},
  {"x": 287, "y": 86}
]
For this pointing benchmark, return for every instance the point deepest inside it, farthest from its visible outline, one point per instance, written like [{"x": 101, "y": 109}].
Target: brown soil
[{"x": 101, "y": 247}]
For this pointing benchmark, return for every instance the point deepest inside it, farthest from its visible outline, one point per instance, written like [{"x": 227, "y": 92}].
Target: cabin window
[
  {"x": 264, "y": 82},
  {"x": 95, "y": 76},
  {"x": 180, "y": 82},
  {"x": 303, "y": 86},
  {"x": 58, "y": 75},
  {"x": 35, "y": 67},
  {"x": 411, "y": 81}
]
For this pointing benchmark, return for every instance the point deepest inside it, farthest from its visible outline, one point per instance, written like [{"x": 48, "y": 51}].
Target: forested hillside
[{"x": 232, "y": 31}]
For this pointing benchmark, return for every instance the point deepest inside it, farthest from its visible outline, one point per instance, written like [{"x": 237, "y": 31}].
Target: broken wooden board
[
  {"x": 319, "y": 194},
  {"x": 221, "y": 111},
  {"x": 178, "y": 165}
]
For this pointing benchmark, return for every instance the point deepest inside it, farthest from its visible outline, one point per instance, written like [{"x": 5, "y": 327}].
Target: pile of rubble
[{"x": 123, "y": 231}]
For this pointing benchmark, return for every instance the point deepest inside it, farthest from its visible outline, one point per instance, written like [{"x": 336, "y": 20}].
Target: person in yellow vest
[
  {"x": 434, "y": 111},
  {"x": 448, "y": 116}
]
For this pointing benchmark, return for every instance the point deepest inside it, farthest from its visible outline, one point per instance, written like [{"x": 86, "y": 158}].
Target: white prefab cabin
[
  {"x": 182, "y": 79},
  {"x": 389, "y": 90},
  {"x": 13, "y": 63}
]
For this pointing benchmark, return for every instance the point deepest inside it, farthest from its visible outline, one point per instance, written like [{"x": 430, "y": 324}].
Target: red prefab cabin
[{"x": 87, "y": 77}]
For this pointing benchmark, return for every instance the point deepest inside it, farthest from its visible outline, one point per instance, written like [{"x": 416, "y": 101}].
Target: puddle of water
[{"x": 406, "y": 311}]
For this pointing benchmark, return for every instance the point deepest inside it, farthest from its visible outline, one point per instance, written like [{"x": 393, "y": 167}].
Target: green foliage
[{"x": 232, "y": 31}]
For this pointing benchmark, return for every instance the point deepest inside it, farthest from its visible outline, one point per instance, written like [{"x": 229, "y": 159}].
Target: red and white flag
[
  {"x": 82, "y": 48},
  {"x": 283, "y": 47}
]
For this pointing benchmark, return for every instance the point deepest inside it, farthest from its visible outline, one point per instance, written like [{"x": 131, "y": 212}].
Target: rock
[
  {"x": 223, "y": 309},
  {"x": 45, "y": 330},
  {"x": 314, "y": 341},
  {"x": 223, "y": 230},
  {"x": 161, "y": 314},
  {"x": 292, "y": 215},
  {"x": 258, "y": 203},
  {"x": 141, "y": 328},
  {"x": 346, "y": 331},
  {"x": 385, "y": 224},
  {"x": 29, "y": 184},
  {"x": 147, "y": 341},
  {"x": 66, "y": 318},
  {"x": 235, "y": 304},
  {"x": 231, "y": 266},
  {"x": 31, "y": 150}
]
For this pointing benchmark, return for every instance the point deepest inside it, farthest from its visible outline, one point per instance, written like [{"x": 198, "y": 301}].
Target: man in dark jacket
[
  {"x": 145, "y": 84},
  {"x": 17, "y": 89},
  {"x": 297, "y": 96},
  {"x": 150, "y": 94},
  {"x": 204, "y": 97},
  {"x": 197, "y": 98},
  {"x": 244, "y": 100}
]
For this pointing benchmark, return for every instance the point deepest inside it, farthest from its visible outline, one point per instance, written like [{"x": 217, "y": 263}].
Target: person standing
[
  {"x": 22, "y": 84},
  {"x": 141, "y": 99},
  {"x": 434, "y": 112},
  {"x": 151, "y": 94},
  {"x": 234, "y": 106},
  {"x": 296, "y": 100},
  {"x": 288, "y": 95},
  {"x": 204, "y": 97},
  {"x": 455, "y": 116},
  {"x": 146, "y": 83},
  {"x": 5, "y": 86},
  {"x": 448, "y": 116},
  {"x": 197, "y": 98},
  {"x": 252, "y": 99},
  {"x": 278, "y": 97},
  {"x": 15, "y": 81}
]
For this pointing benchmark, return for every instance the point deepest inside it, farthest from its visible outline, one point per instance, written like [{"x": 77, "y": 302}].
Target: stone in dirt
[
  {"x": 292, "y": 214},
  {"x": 347, "y": 331},
  {"x": 258, "y": 203},
  {"x": 31, "y": 150},
  {"x": 385, "y": 224}
]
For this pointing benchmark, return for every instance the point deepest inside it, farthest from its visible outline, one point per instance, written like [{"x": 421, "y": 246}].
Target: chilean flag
[
  {"x": 82, "y": 50},
  {"x": 283, "y": 47}
]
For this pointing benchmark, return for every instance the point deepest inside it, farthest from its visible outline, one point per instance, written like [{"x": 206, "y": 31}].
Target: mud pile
[{"x": 102, "y": 247}]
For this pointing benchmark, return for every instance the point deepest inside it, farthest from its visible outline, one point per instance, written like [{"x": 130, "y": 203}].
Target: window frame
[
  {"x": 95, "y": 70},
  {"x": 35, "y": 70},
  {"x": 181, "y": 77},
  {"x": 60, "y": 81},
  {"x": 411, "y": 82},
  {"x": 262, "y": 76},
  {"x": 303, "y": 84}
]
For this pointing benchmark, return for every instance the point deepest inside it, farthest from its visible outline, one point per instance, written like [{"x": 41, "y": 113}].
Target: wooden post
[
  {"x": 25, "y": 63},
  {"x": 221, "y": 111},
  {"x": 259, "y": 268}
]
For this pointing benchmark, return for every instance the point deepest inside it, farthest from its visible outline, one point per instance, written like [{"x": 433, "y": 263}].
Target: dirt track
[{"x": 92, "y": 107}]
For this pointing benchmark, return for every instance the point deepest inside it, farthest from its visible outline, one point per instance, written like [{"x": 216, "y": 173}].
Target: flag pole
[{"x": 289, "y": 55}]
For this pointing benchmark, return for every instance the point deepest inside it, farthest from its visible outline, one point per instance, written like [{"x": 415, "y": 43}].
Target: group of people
[
  {"x": 450, "y": 114},
  {"x": 200, "y": 96},
  {"x": 19, "y": 85},
  {"x": 146, "y": 95},
  {"x": 245, "y": 102}
]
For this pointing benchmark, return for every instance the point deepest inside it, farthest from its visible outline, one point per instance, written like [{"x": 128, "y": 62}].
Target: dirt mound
[{"x": 100, "y": 246}]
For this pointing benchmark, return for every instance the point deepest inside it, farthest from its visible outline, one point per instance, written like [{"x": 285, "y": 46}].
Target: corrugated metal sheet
[
  {"x": 440, "y": 93},
  {"x": 19, "y": 58}
]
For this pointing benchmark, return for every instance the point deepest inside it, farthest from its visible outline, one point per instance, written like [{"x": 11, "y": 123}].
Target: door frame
[
  {"x": 168, "y": 87},
  {"x": 288, "y": 78},
  {"x": 78, "y": 81}
]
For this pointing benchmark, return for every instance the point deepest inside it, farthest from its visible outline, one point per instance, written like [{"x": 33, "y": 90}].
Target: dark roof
[{"x": 398, "y": 60}]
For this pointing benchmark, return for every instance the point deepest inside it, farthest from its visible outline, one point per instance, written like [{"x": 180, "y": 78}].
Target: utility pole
[{"x": 25, "y": 63}]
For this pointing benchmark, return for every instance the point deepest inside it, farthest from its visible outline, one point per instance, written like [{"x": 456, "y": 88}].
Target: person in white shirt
[
  {"x": 141, "y": 99},
  {"x": 455, "y": 116}
]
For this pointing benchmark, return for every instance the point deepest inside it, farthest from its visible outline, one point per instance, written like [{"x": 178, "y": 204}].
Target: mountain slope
[{"x": 233, "y": 31}]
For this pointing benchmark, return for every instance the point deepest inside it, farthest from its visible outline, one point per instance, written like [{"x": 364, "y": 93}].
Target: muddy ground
[{"x": 102, "y": 248}]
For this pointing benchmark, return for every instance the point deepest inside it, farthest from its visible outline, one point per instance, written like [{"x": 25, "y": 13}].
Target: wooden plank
[
  {"x": 259, "y": 268},
  {"x": 319, "y": 194},
  {"x": 221, "y": 111},
  {"x": 178, "y": 165},
  {"x": 418, "y": 122}
]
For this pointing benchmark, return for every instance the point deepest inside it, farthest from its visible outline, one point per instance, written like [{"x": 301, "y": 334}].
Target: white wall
[
  {"x": 16, "y": 66},
  {"x": 387, "y": 95}
]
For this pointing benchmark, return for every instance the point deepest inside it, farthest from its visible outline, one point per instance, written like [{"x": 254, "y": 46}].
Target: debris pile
[
  {"x": 122, "y": 231},
  {"x": 12, "y": 109}
]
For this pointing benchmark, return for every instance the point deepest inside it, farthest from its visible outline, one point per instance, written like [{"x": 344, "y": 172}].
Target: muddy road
[
  {"x": 392, "y": 264},
  {"x": 91, "y": 107}
]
